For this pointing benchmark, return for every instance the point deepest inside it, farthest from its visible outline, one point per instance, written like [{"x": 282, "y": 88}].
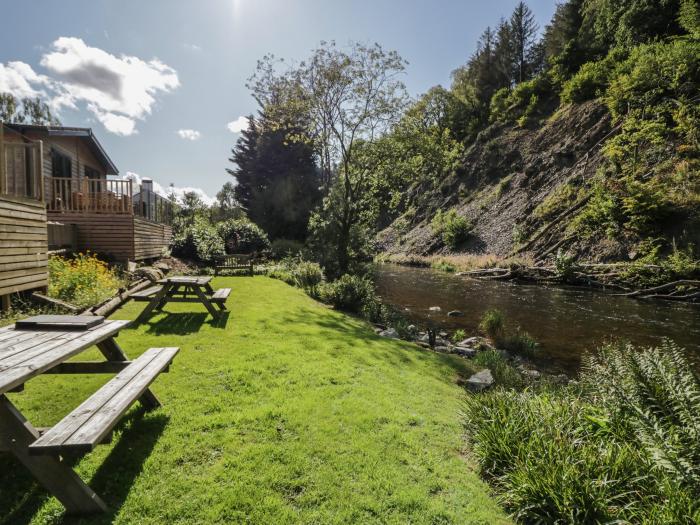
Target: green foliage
[
  {"x": 492, "y": 324},
  {"x": 350, "y": 293},
  {"x": 199, "y": 242},
  {"x": 453, "y": 229},
  {"x": 556, "y": 201},
  {"x": 591, "y": 81},
  {"x": 505, "y": 375},
  {"x": 565, "y": 265},
  {"x": 83, "y": 280},
  {"x": 622, "y": 448},
  {"x": 243, "y": 236},
  {"x": 521, "y": 104},
  {"x": 458, "y": 335},
  {"x": 689, "y": 17},
  {"x": 281, "y": 248},
  {"x": 26, "y": 111},
  {"x": 652, "y": 269}
]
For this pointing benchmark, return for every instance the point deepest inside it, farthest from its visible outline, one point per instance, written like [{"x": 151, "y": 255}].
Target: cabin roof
[{"x": 63, "y": 131}]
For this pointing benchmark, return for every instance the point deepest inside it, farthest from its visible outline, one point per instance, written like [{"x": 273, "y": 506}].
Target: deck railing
[
  {"x": 20, "y": 168},
  {"x": 89, "y": 195},
  {"x": 109, "y": 196}
]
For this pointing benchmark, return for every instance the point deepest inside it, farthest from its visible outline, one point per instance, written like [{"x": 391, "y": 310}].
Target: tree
[
  {"x": 278, "y": 182},
  {"x": 27, "y": 111},
  {"x": 526, "y": 57},
  {"x": 349, "y": 97},
  {"x": 226, "y": 206}
]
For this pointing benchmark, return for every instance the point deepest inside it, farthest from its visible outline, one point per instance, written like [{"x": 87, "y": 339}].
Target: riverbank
[
  {"x": 287, "y": 412},
  {"x": 675, "y": 278}
]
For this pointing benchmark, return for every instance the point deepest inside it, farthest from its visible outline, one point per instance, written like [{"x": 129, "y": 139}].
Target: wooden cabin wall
[
  {"x": 150, "y": 239},
  {"x": 23, "y": 245},
  {"x": 111, "y": 235}
]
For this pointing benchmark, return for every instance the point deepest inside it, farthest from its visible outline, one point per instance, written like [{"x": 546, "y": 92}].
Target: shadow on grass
[
  {"x": 112, "y": 481},
  {"x": 346, "y": 330},
  {"x": 184, "y": 323}
]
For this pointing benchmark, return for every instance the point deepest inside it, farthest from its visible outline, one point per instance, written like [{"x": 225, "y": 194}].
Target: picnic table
[
  {"x": 29, "y": 352},
  {"x": 187, "y": 289}
]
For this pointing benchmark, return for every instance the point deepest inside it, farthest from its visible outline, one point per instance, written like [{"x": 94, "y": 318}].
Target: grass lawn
[{"x": 285, "y": 412}]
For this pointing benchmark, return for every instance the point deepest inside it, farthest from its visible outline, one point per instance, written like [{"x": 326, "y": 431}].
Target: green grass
[{"x": 287, "y": 412}]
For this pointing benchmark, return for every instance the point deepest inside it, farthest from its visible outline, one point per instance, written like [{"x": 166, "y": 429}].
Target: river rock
[
  {"x": 455, "y": 313},
  {"x": 435, "y": 309},
  {"x": 480, "y": 381},
  {"x": 470, "y": 341},
  {"x": 422, "y": 344},
  {"x": 443, "y": 334},
  {"x": 442, "y": 348},
  {"x": 423, "y": 337},
  {"x": 532, "y": 374},
  {"x": 411, "y": 328},
  {"x": 391, "y": 333},
  {"x": 464, "y": 351}
]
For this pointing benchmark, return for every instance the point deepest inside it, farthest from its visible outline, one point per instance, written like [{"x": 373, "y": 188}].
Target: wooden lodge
[{"x": 57, "y": 180}]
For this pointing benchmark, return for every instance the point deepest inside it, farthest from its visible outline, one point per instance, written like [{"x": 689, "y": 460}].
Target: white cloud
[
  {"x": 189, "y": 134},
  {"x": 118, "y": 90},
  {"x": 178, "y": 191},
  {"x": 238, "y": 125}
]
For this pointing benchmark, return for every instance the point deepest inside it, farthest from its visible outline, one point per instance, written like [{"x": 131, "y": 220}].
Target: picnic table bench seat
[
  {"x": 220, "y": 295},
  {"x": 145, "y": 295},
  {"x": 93, "y": 421},
  {"x": 234, "y": 261}
]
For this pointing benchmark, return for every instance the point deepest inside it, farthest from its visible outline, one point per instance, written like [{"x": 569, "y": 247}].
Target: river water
[{"x": 565, "y": 321}]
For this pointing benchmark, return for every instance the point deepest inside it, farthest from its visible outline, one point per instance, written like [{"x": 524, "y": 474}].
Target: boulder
[
  {"x": 532, "y": 374},
  {"x": 150, "y": 273},
  {"x": 443, "y": 334},
  {"x": 391, "y": 333},
  {"x": 464, "y": 351},
  {"x": 480, "y": 381},
  {"x": 455, "y": 313},
  {"x": 470, "y": 341},
  {"x": 162, "y": 266},
  {"x": 442, "y": 348},
  {"x": 411, "y": 328}
]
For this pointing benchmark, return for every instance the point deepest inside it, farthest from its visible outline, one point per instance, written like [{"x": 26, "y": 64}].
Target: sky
[{"x": 162, "y": 82}]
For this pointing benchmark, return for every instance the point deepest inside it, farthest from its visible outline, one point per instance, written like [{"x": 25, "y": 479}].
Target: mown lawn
[{"x": 286, "y": 412}]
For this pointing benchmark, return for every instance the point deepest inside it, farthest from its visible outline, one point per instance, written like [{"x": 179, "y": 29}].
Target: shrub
[
  {"x": 199, "y": 241},
  {"x": 83, "y": 280},
  {"x": 458, "y": 335},
  {"x": 349, "y": 292},
  {"x": 243, "y": 236},
  {"x": 453, "y": 229},
  {"x": 565, "y": 265},
  {"x": 307, "y": 275},
  {"x": 492, "y": 324},
  {"x": 590, "y": 82},
  {"x": 521, "y": 103},
  {"x": 621, "y": 447},
  {"x": 281, "y": 248}
]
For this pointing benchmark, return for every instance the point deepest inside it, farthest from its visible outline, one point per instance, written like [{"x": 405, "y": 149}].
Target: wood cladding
[{"x": 23, "y": 245}]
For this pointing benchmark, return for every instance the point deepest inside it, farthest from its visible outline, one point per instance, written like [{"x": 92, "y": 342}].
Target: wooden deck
[
  {"x": 23, "y": 245},
  {"x": 122, "y": 237}
]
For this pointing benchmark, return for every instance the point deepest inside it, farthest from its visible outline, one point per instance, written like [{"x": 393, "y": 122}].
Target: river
[{"x": 565, "y": 321}]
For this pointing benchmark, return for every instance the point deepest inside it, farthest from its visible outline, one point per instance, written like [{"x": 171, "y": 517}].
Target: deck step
[
  {"x": 145, "y": 295},
  {"x": 220, "y": 295},
  {"x": 92, "y": 421}
]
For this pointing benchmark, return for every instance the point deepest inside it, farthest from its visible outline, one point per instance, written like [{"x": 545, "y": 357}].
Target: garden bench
[
  {"x": 145, "y": 295},
  {"x": 234, "y": 261},
  {"x": 220, "y": 295},
  {"x": 29, "y": 352}
]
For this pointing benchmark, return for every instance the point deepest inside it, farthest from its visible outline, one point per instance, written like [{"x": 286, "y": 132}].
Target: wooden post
[
  {"x": 16, "y": 434},
  {"x": 2, "y": 158},
  {"x": 40, "y": 170}
]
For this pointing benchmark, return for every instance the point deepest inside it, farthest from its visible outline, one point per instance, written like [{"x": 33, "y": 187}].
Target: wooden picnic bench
[
  {"x": 185, "y": 289},
  {"x": 234, "y": 261},
  {"x": 26, "y": 353}
]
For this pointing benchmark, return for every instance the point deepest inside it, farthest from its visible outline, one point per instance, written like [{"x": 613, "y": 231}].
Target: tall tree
[
  {"x": 349, "y": 96},
  {"x": 26, "y": 111},
  {"x": 523, "y": 35}
]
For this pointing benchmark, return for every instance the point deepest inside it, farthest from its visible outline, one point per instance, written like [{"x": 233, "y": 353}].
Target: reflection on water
[{"x": 566, "y": 321}]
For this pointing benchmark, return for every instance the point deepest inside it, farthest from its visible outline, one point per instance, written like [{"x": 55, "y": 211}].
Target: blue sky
[{"x": 159, "y": 80}]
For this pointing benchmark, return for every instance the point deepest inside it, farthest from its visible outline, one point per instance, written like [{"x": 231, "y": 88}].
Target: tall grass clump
[
  {"x": 493, "y": 324},
  {"x": 622, "y": 446},
  {"x": 83, "y": 280}
]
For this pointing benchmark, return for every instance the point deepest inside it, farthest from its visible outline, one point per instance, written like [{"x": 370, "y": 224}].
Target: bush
[
  {"x": 521, "y": 103},
  {"x": 621, "y": 447},
  {"x": 590, "y": 82},
  {"x": 453, "y": 229},
  {"x": 281, "y": 248},
  {"x": 83, "y": 280},
  {"x": 243, "y": 236},
  {"x": 307, "y": 275},
  {"x": 199, "y": 242},
  {"x": 492, "y": 324},
  {"x": 349, "y": 293}
]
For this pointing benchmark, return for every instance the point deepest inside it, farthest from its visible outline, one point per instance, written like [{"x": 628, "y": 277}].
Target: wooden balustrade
[
  {"x": 89, "y": 195},
  {"x": 20, "y": 169}
]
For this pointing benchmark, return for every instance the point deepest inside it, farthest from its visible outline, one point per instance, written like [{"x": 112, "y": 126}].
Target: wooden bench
[
  {"x": 145, "y": 295},
  {"x": 234, "y": 262},
  {"x": 219, "y": 297},
  {"x": 93, "y": 420}
]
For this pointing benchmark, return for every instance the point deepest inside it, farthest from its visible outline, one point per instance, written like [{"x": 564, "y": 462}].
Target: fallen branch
[
  {"x": 115, "y": 302},
  {"x": 55, "y": 302},
  {"x": 663, "y": 287}
]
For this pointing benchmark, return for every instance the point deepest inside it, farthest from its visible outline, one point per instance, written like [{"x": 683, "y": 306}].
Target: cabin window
[
  {"x": 92, "y": 173},
  {"x": 60, "y": 165}
]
